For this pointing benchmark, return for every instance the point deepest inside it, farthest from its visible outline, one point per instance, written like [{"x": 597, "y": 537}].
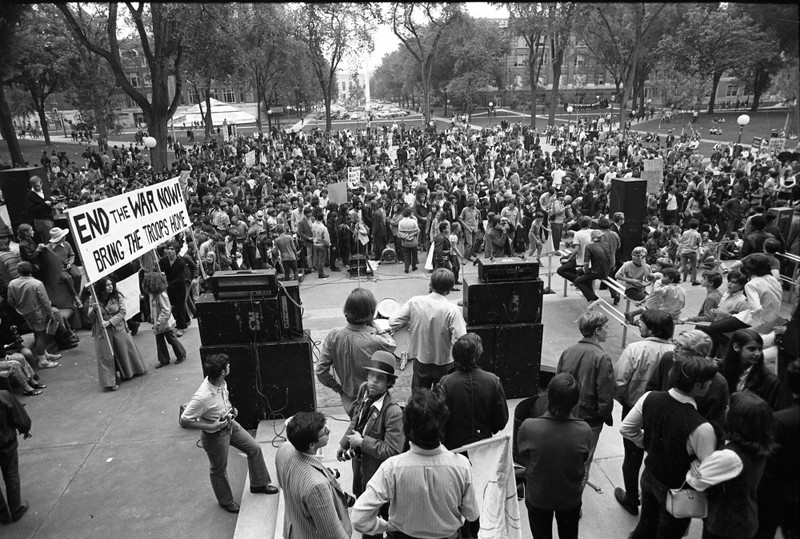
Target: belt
[{"x": 217, "y": 432}]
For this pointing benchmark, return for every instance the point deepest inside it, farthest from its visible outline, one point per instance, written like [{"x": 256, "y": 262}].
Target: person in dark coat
[
  {"x": 554, "y": 449},
  {"x": 476, "y": 393},
  {"x": 13, "y": 418},
  {"x": 174, "y": 270}
]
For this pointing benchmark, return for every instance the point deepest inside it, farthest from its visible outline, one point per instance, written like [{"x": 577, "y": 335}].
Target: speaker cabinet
[
  {"x": 629, "y": 195},
  {"x": 783, "y": 220},
  {"x": 15, "y": 182},
  {"x": 514, "y": 353},
  {"x": 269, "y": 380},
  {"x": 287, "y": 377},
  {"x": 502, "y": 302},
  {"x": 233, "y": 321},
  {"x": 243, "y": 382}
]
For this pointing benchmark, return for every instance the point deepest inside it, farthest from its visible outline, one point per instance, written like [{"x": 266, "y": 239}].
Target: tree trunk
[
  {"x": 714, "y": 84},
  {"x": 554, "y": 92},
  {"x": 43, "y": 121},
  {"x": 100, "y": 123},
  {"x": 258, "y": 104},
  {"x": 7, "y": 129},
  {"x": 533, "y": 79},
  {"x": 445, "y": 102},
  {"x": 209, "y": 120},
  {"x": 326, "y": 97},
  {"x": 760, "y": 83}
]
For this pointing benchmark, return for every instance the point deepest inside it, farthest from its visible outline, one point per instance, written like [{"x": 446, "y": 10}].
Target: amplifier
[
  {"x": 510, "y": 302},
  {"x": 512, "y": 268},
  {"x": 239, "y": 321},
  {"x": 359, "y": 266},
  {"x": 240, "y": 284},
  {"x": 514, "y": 353},
  {"x": 291, "y": 309},
  {"x": 269, "y": 380}
]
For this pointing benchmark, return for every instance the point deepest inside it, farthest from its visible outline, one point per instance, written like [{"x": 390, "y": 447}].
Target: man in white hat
[{"x": 62, "y": 250}]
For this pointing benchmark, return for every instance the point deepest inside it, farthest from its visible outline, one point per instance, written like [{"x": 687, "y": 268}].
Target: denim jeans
[
  {"x": 216, "y": 446},
  {"x": 632, "y": 463},
  {"x": 9, "y": 466},
  {"x": 161, "y": 346},
  {"x": 654, "y": 520},
  {"x": 592, "y": 446}
]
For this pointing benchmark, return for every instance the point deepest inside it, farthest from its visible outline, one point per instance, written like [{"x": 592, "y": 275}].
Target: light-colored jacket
[{"x": 161, "y": 313}]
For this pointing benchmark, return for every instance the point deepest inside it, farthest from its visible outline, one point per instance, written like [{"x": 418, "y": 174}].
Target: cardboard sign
[
  {"x": 654, "y": 174},
  {"x": 777, "y": 144},
  {"x": 250, "y": 159},
  {"x": 117, "y": 230},
  {"x": 337, "y": 192},
  {"x": 129, "y": 288},
  {"x": 353, "y": 177}
]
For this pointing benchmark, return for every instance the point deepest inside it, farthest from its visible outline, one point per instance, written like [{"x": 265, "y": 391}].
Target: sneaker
[
  {"x": 622, "y": 498},
  {"x": 46, "y": 364},
  {"x": 324, "y": 276},
  {"x": 52, "y": 357},
  {"x": 616, "y": 300},
  {"x": 593, "y": 304},
  {"x": 695, "y": 283},
  {"x": 179, "y": 333}
]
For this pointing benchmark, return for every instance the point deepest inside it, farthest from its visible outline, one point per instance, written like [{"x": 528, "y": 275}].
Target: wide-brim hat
[
  {"x": 383, "y": 363},
  {"x": 57, "y": 234}
]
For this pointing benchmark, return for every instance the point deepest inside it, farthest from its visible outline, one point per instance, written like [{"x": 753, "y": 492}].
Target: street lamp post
[
  {"x": 63, "y": 126},
  {"x": 569, "y": 121},
  {"x": 742, "y": 120},
  {"x": 649, "y": 104},
  {"x": 613, "y": 98},
  {"x": 491, "y": 104}
]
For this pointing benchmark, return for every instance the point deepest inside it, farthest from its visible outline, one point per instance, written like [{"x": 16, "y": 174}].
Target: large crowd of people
[{"x": 441, "y": 198}]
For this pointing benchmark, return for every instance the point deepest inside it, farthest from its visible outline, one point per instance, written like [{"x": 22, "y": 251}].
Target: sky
[{"x": 386, "y": 42}]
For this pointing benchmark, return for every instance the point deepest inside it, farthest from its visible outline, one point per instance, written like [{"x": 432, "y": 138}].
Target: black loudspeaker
[
  {"x": 287, "y": 377},
  {"x": 517, "y": 302},
  {"x": 242, "y": 381},
  {"x": 269, "y": 380},
  {"x": 358, "y": 266},
  {"x": 15, "y": 182},
  {"x": 238, "y": 321},
  {"x": 514, "y": 353},
  {"x": 783, "y": 220},
  {"x": 629, "y": 195}
]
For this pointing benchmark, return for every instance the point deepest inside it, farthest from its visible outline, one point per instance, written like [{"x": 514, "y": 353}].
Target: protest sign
[
  {"x": 757, "y": 141},
  {"x": 654, "y": 174},
  {"x": 250, "y": 159},
  {"x": 337, "y": 192},
  {"x": 117, "y": 230},
  {"x": 353, "y": 177},
  {"x": 777, "y": 144}
]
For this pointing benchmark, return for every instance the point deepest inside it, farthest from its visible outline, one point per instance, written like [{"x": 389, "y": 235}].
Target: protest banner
[
  {"x": 493, "y": 477},
  {"x": 777, "y": 144},
  {"x": 117, "y": 230},
  {"x": 757, "y": 141},
  {"x": 129, "y": 287},
  {"x": 250, "y": 159},
  {"x": 353, "y": 177},
  {"x": 654, "y": 174},
  {"x": 337, "y": 192}
]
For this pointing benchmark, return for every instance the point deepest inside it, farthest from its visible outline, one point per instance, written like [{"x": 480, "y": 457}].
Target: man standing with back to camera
[
  {"x": 210, "y": 410},
  {"x": 434, "y": 324}
]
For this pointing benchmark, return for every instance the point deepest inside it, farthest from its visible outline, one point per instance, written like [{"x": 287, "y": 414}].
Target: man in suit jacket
[{"x": 316, "y": 505}]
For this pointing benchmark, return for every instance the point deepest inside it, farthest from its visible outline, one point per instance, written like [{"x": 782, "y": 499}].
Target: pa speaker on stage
[
  {"x": 15, "y": 183},
  {"x": 514, "y": 353},
  {"x": 268, "y": 380},
  {"x": 511, "y": 302},
  {"x": 238, "y": 321},
  {"x": 286, "y": 371},
  {"x": 243, "y": 383},
  {"x": 629, "y": 195}
]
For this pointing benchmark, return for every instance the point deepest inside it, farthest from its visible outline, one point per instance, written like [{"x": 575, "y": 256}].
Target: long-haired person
[
  {"x": 113, "y": 344},
  {"x": 155, "y": 286}
]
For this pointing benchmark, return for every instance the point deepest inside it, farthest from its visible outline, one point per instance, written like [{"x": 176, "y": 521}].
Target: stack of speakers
[
  {"x": 272, "y": 371},
  {"x": 504, "y": 307}
]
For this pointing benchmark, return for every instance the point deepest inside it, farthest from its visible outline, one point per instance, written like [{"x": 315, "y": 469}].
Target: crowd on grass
[{"x": 450, "y": 195}]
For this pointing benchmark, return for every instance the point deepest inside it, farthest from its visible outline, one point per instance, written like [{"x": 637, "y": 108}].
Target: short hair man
[
  {"x": 590, "y": 365},
  {"x": 349, "y": 349},
  {"x": 554, "y": 449},
  {"x": 632, "y": 371},
  {"x": 210, "y": 410},
  {"x": 316, "y": 505},
  {"x": 429, "y": 489},
  {"x": 40, "y": 209},
  {"x": 434, "y": 324},
  {"x": 668, "y": 426}
]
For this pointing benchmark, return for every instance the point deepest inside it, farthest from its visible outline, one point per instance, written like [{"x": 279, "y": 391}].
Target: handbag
[{"x": 686, "y": 503}]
